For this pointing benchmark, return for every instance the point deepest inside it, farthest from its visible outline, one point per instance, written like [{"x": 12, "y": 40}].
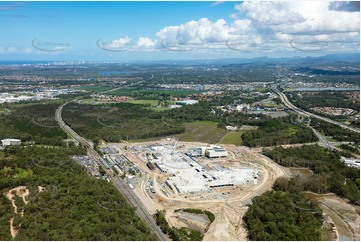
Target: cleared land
[
  {"x": 342, "y": 214},
  {"x": 202, "y": 131},
  {"x": 232, "y": 138},
  {"x": 150, "y": 102},
  {"x": 228, "y": 204},
  {"x": 131, "y": 92},
  {"x": 153, "y": 104}
]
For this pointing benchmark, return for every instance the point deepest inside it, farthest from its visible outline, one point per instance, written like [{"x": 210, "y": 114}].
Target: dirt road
[{"x": 23, "y": 193}]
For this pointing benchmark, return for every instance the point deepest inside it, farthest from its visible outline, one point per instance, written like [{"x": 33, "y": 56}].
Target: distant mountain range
[
  {"x": 331, "y": 58},
  {"x": 349, "y": 58}
]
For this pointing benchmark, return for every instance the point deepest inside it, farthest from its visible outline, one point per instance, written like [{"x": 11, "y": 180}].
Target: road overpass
[
  {"x": 119, "y": 184},
  {"x": 288, "y": 104}
]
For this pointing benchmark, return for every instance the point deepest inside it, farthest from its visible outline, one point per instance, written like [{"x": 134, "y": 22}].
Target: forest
[
  {"x": 125, "y": 121},
  {"x": 278, "y": 131},
  {"x": 282, "y": 216},
  {"x": 32, "y": 122},
  {"x": 73, "y": 205},
  {"x": 117, "y": 122},
  {"x": 330, "y": 173}
]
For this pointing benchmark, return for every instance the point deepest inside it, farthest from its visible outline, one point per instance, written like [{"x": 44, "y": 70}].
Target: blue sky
[{"x": 122, "y": 31}]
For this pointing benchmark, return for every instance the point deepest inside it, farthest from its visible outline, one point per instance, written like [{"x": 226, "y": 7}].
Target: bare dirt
[
  {"x": 345, "y": 216},
  {"x": 227, "y": 204},
  {"x": 23, "y": 193},
  {"x": 193, "y": 221}
]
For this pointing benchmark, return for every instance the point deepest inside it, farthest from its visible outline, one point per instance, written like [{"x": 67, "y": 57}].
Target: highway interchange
[{"x": 288, "y": 104}]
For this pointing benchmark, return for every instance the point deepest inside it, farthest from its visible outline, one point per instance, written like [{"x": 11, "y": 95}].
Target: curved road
[
  {"x": 288, "y": 104},
  {"x": 119, "y": 184}
]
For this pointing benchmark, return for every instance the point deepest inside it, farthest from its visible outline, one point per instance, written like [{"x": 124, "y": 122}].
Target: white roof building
[
  {"x": 215, "y": 151},
  {"x": 8, "y": 142},
  {"x": 186, "y": 102},
  {"x": 351, "y": 162}
]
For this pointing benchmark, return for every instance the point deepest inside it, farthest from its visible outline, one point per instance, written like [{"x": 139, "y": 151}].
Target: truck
[
  {"x": 151, "y": 188},
  {"x": 150, "y": 165}
]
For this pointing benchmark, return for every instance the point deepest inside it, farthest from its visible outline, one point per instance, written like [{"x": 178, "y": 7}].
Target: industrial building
[
  {"x": 351, "y": 162},
  {"x": 186, "y": 175},
  {"x": 196, "y": 151},
  {"x": 215, "y": 151},
  {"x": 8, "y": 142},
  {"x": 196, "y": 179}
]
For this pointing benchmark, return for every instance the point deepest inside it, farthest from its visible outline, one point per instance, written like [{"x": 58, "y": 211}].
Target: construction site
[{"x": 170, "y": 175}]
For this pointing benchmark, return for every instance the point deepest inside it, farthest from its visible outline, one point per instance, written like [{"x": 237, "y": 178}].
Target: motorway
[
  {"x": 119, "y": 184},
  {"x": 288, "y": 104}
]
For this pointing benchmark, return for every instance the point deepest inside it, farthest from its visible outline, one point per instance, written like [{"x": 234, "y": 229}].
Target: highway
[
  {"x": 322, "y": 140},
  {"x": 288, "y": 104},
  {"x": 119, "y": 184}
]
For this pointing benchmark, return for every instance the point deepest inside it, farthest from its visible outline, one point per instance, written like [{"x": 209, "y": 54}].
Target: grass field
[
  {"x": 291, "y": 131},
  {"x": 261, "y": 89},
  {"x": 89, "y": 101},
  {"x": 160, "y": 109},
  {"x": 93, "y": 88},
  {"x": 232, "y": 138},
  {"x": 130, "y": 92},
  {"x": 202, "y": 131},
  {"x": 151, "y": 102}
]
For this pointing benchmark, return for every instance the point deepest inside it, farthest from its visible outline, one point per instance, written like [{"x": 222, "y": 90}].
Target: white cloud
[
  {"x": 308, "y": 17},
  {"x": 310, "y": 23},
  {"x": 145, "y": 42},
  {"x": 121, "y": 42},
  {"x": 5, "y": 50},
  {"x": 216, "y": 3},
  {"x": 234, "y": 16},
  {"x": 261, "y": 26},
  {"x": 11, "y": 49},
  {"x": 27, "y": 50},
  {"x": 269, "y": 13},
  {"x": 197, "y": 32}
]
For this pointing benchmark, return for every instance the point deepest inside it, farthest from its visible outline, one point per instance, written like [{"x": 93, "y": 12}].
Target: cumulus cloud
[
  {"x": 263, "y": 26},
  {"x": 348, "y": 6},
  {"x": 299, "y": 17},
  {"x": 121, "y": 42},
  {"x": 269, "y": 13},
  {"x": 27, "y": 50},
  {"x": 145, "y": 42},
  {"x": 196, "y": 32},
  {"x": 6, "y": 50},
  {"x": 305, "y": 22}
]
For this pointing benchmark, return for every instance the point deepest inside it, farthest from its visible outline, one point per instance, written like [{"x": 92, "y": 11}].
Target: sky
[{"x": 136, "y": 31}]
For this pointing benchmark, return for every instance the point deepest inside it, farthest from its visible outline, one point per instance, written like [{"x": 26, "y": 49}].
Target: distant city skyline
[{"x": 141, "y": 31}]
